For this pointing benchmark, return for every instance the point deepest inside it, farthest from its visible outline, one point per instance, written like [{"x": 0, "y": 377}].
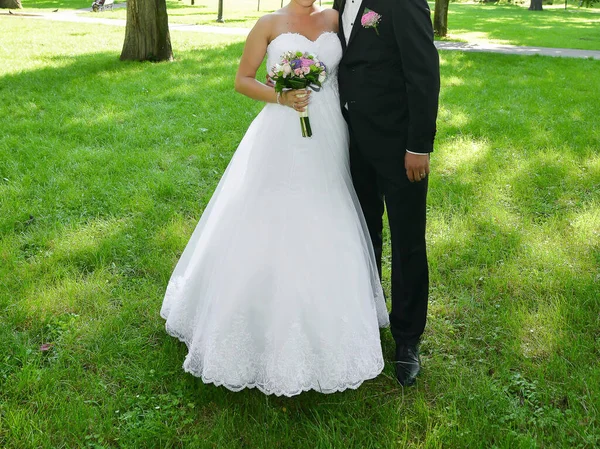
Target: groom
[{"x": 389, "y": 86}]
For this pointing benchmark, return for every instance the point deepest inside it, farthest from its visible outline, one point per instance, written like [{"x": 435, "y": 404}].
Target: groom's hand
[{"x": 417, "y": 166}]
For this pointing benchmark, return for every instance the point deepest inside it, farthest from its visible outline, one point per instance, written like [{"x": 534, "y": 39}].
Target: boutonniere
[{"x": 370, "y": 19}]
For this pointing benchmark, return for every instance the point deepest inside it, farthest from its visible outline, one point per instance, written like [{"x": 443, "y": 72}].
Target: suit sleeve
[
  {"x": 337, "y": 4},
  {"x": 421, "y": 68}
]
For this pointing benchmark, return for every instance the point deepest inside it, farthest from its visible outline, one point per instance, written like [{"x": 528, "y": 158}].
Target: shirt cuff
[{"x": 418, "y": 154}]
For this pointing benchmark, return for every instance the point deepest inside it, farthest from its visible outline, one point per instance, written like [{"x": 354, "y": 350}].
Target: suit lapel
[
  {"x": 357, "y": 25},
  {"x": 341, "y": 25}
]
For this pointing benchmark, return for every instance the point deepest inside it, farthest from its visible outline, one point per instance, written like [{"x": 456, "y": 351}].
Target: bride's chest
[{"x": 326, "y": 48}]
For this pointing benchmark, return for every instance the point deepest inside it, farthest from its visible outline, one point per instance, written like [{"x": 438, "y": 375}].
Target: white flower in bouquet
[{"x": 287, "y": 69}]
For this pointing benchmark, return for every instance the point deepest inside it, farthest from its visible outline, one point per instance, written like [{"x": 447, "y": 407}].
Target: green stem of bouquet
[{"x": 305, "y": 125}]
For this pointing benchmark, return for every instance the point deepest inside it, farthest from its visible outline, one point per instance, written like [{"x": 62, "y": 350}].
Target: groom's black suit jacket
[
  {"x": 390, "y": 83},
  {"x": 389, "y": 79}
]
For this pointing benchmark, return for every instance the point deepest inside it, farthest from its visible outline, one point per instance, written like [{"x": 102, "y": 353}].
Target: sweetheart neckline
[{"x": 300, "y": 34}]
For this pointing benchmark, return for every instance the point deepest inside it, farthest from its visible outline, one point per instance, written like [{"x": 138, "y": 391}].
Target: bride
[{"x": 277, "y": 288}]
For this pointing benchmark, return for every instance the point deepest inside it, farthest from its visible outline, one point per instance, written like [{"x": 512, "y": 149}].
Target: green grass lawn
[
  {"x": 510, "y": 24},
  {"x": 105, "y": 168}
]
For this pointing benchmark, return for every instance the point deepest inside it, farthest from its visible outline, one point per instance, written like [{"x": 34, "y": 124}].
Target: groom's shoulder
[{"x": 404, "y": 4}]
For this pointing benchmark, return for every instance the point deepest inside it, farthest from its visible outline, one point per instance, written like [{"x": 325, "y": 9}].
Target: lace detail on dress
[
  {"x": 290, "y": 364},
  {"x": 174, "y": 290}
]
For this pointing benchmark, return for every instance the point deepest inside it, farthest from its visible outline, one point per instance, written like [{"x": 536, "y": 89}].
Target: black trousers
[{"x": 406, "y": 209}]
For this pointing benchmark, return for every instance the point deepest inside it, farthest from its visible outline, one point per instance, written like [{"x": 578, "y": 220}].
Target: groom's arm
[
  {"x": 420, "y": 64},
  {"x": 337, "y": 4}
]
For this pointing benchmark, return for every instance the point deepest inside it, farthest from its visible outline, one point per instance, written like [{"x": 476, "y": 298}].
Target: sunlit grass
[
  {"x": 105, "y": 168},
  {"x": 515, "y": 25}
]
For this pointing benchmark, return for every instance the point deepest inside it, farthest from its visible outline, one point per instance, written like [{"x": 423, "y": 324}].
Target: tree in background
[
  {"x": 220, "y": 12},
  {"x": 535, "y": 5},
  {"x": 147, "y": 32},
  {"x": 440, "y": 18},
  {"x": 12, "y": 4}
]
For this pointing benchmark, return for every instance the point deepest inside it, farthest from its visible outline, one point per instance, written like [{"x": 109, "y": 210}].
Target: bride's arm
[{"x": 254, "y": 53}]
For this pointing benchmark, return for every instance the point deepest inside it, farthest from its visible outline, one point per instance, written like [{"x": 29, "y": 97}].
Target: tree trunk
[
  {"x": 220, "y": 12},
  {"x": 11, "y": 4},
  {"x": 535, "y": 5},
  {"x": 440, "y": 18},
  {"x": 147, "y": 32}
]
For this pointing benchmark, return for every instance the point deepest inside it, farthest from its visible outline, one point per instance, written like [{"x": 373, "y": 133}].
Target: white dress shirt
[{"x": 350, "y": 16}]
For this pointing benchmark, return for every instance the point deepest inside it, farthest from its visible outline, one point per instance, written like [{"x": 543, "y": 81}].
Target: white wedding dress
[{"x": 277, "y": 288}]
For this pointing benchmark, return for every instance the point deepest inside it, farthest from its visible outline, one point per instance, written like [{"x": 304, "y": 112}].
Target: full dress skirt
[{"x": 278, "y": 288}]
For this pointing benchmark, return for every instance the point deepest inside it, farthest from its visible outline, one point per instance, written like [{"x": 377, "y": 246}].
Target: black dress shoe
[{"x": 407, "y": 364}]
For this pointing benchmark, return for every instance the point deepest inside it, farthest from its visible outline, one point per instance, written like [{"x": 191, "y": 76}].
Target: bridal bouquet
[{"x": 297, "y": 70}]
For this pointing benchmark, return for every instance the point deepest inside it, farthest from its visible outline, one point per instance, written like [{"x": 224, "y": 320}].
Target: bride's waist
[
  {"x": 327, "y": 92},
  {"x": 324, "y": 100}
]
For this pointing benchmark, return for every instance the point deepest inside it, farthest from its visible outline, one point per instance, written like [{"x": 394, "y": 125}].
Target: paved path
[
  {"x": 115, "y": 6},
  {"x": 517, "y": 50},
  {"x": 74, "y": 16}
]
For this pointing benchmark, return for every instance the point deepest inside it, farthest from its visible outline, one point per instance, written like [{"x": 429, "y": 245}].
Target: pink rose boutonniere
[{"x": 370, "y": 19}]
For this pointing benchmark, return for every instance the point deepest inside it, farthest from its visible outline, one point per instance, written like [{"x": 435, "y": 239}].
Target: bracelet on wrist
[{"x": 279, "y": 98}]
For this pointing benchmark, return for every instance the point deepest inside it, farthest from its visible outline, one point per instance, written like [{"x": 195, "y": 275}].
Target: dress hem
[{"x": 260, "y": 386}]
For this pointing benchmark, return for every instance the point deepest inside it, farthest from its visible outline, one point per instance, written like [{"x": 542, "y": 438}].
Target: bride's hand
[{"x": 296, "y": 99}]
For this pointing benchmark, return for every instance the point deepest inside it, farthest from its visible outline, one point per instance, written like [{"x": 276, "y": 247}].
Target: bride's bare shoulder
[
  {"x": 332, "y": 18},
  {"x": 265, "y": 22},
  {"x": 329, "y": 12},
  {"x": 268, "y": 24}
]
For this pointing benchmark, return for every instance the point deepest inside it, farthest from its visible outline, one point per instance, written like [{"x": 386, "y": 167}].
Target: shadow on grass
[
  {"x": 513, "y": 194},
  {"x": 111, "y": 159}
]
